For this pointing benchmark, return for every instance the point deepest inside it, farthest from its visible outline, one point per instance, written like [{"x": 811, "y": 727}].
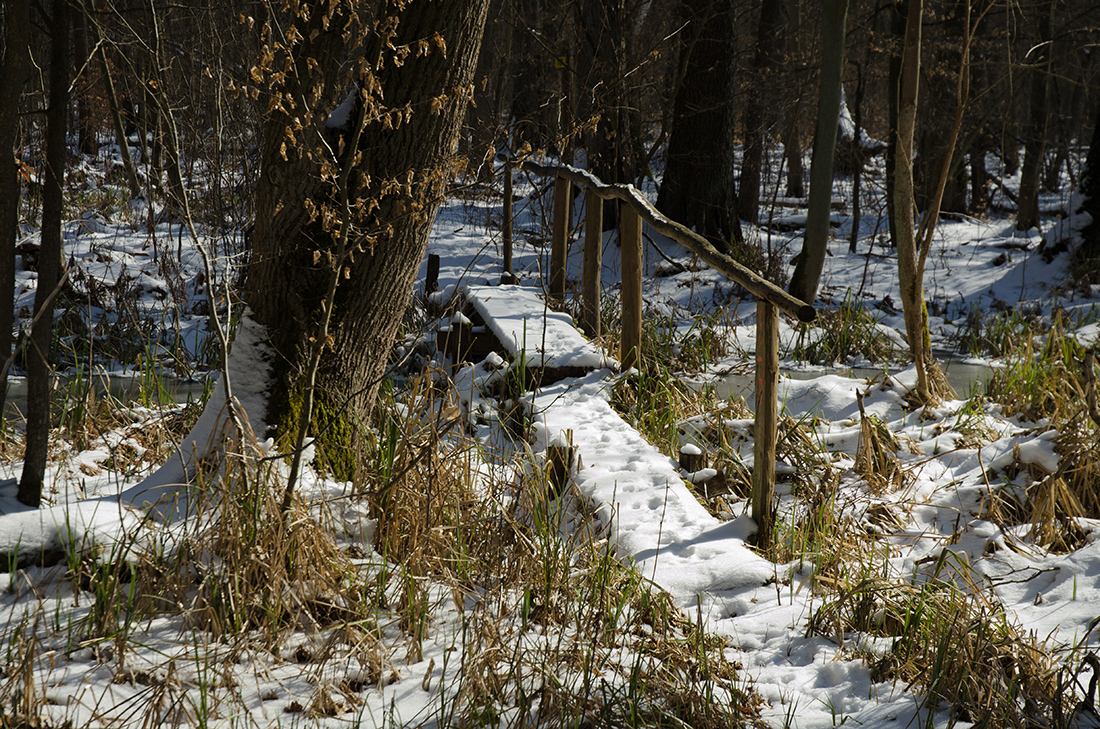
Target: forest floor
[{"x": 936, "y": 565}]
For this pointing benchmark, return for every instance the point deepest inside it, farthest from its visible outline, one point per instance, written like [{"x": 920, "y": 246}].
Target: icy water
[{"x": 126, "y": 388}]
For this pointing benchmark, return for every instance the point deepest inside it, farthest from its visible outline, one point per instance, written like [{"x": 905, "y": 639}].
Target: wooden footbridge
[{"x": 634, "y": 209}]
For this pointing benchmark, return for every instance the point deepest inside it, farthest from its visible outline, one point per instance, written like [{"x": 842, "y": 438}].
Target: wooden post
[
  {"x": 507, "y": 276},
  {"x": 692, "y": 458},
  {"x": 563, "y": 219},
  {"x": 559, "y": 462},
  {"x": 630, "y": 240},
  {"x": 764, "y": 440},
  {"x": 431, "y": 281},
  {"x": 593, "y": 263}
]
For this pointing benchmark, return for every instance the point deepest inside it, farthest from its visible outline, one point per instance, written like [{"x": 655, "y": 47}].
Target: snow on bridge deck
[
  {"x": 525, "y": 325},
  {"x": 653, "y": 518}
]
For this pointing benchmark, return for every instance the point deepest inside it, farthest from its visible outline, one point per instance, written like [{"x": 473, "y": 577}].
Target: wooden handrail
[{"x": 748, "y": 279}]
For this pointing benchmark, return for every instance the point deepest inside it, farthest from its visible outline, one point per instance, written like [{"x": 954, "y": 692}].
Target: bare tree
[
  {"x": 807, "y": 272},
  {"x": 49, "y": 260},
  {"x": 17, "y": 31}
]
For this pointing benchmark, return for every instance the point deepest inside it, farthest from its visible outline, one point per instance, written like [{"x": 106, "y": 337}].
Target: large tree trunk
[
  {"x": 807, "y": 273},
  {"x": 936, "y": 117},
  {"x": 698, "y": 188},
  {"x": 399, "y": 177},
  {"x": 615, "y": 147},
  {"x": 49, "y": 261},
  {"x": 17, "y": 33}
]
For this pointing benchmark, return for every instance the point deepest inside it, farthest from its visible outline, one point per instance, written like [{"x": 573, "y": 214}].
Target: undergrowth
[
  {"x": 842, "y": 334},
  {"x": 1053, "y": 383},
  {"x": 543, "y": 622},
  {"x": 949, "y": 638}
]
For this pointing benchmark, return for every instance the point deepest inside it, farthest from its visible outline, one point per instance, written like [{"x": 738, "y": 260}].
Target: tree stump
[{"x": 692, "y": 458}]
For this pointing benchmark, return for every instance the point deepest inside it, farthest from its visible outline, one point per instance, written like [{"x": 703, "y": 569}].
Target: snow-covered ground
[{"x": 935, "y": 524}]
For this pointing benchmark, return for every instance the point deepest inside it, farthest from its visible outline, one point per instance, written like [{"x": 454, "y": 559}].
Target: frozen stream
[
  {"x": 963, "y": 374},
  {"x": 125, "y": 387}
]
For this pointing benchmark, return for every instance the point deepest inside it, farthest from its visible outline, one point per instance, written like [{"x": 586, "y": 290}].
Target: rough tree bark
[
  {"x": 49, "y": 261},
  {"x": 1087, "y": 252},
  {"x": 400, "y": 170},
  {"x": 792, "y": 140},
  {"x": 87, "y": 142},
  {"x": 895, "y": 18},
  {"x": 17, "y": 33},
  {"x": 1090, "y": 193},
  {"x": 698, "y": 188},
  {"x": 615, "y": 148}
]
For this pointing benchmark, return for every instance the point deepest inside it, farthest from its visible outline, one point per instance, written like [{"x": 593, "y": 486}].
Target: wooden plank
[
  {"x": 764, "y": 435},
  {"x": 520, "y": 320},
  {"x": 751, "y": 281},
  {"x": 630, "y": 239},
  {"x": 593, "y": 264},
  {"x": 563, "y": 218}
]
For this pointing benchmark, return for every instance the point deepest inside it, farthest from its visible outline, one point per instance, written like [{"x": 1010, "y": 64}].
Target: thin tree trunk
[
  {"x": 807, "y": 273},
  {"x": 910, "y": 280},
  {"x": 858, "y": 156},
  {"x": 979, "y": 183},
  {"x": 132, "y": 182},
  {"x": 1027, "y": 214},
  {"x": 49, "y": 262},
  {"x": 768, "y": 50},
  {"x": 17, "y": 31}
]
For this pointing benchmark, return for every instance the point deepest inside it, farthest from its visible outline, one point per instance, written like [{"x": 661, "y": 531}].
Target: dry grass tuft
[
  {"x": 1043, "y": 382},
  {"x": 655, "y": 402},
  {"x": 1055, "y": 509},
  {"x": 20, "y": 700},
  {"x": 1056, "y": 384},
  {"x": 254, "y": 570},
  {"x": 954, "y": 643},
  {"x": 877, "y": 453},
  {"x": 798, "y": 445}
]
